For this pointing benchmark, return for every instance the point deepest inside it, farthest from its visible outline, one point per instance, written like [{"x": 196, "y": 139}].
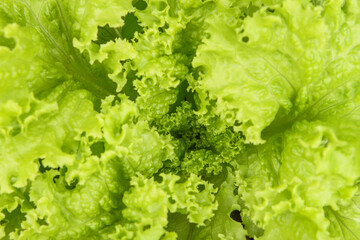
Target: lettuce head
[{"x": 180, "y": 119}]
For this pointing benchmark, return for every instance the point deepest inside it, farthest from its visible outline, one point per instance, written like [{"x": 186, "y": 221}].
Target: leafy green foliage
[{"x": 179, "y": 119}]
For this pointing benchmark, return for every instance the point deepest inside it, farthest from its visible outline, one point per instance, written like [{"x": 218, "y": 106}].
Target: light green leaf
[
  {"x": 222, "y": 226},
  {"x": 345, "y": 221},
  {"x": 149, "y": 202}
]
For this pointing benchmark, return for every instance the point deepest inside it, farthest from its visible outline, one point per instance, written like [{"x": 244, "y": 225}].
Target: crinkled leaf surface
[{"x": 179, "y": 119}]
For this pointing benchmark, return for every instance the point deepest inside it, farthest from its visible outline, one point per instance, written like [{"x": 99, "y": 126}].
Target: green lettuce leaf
[
  {"x": 345, "y": 220},
  {"x": 149, "y": 201},
  {"x": 222, "y": 226},
  {"x": 179, "y": 119}
]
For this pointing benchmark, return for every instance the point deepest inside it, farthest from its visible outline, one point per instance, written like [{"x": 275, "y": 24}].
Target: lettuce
[{"x": 180, "y": 119}]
